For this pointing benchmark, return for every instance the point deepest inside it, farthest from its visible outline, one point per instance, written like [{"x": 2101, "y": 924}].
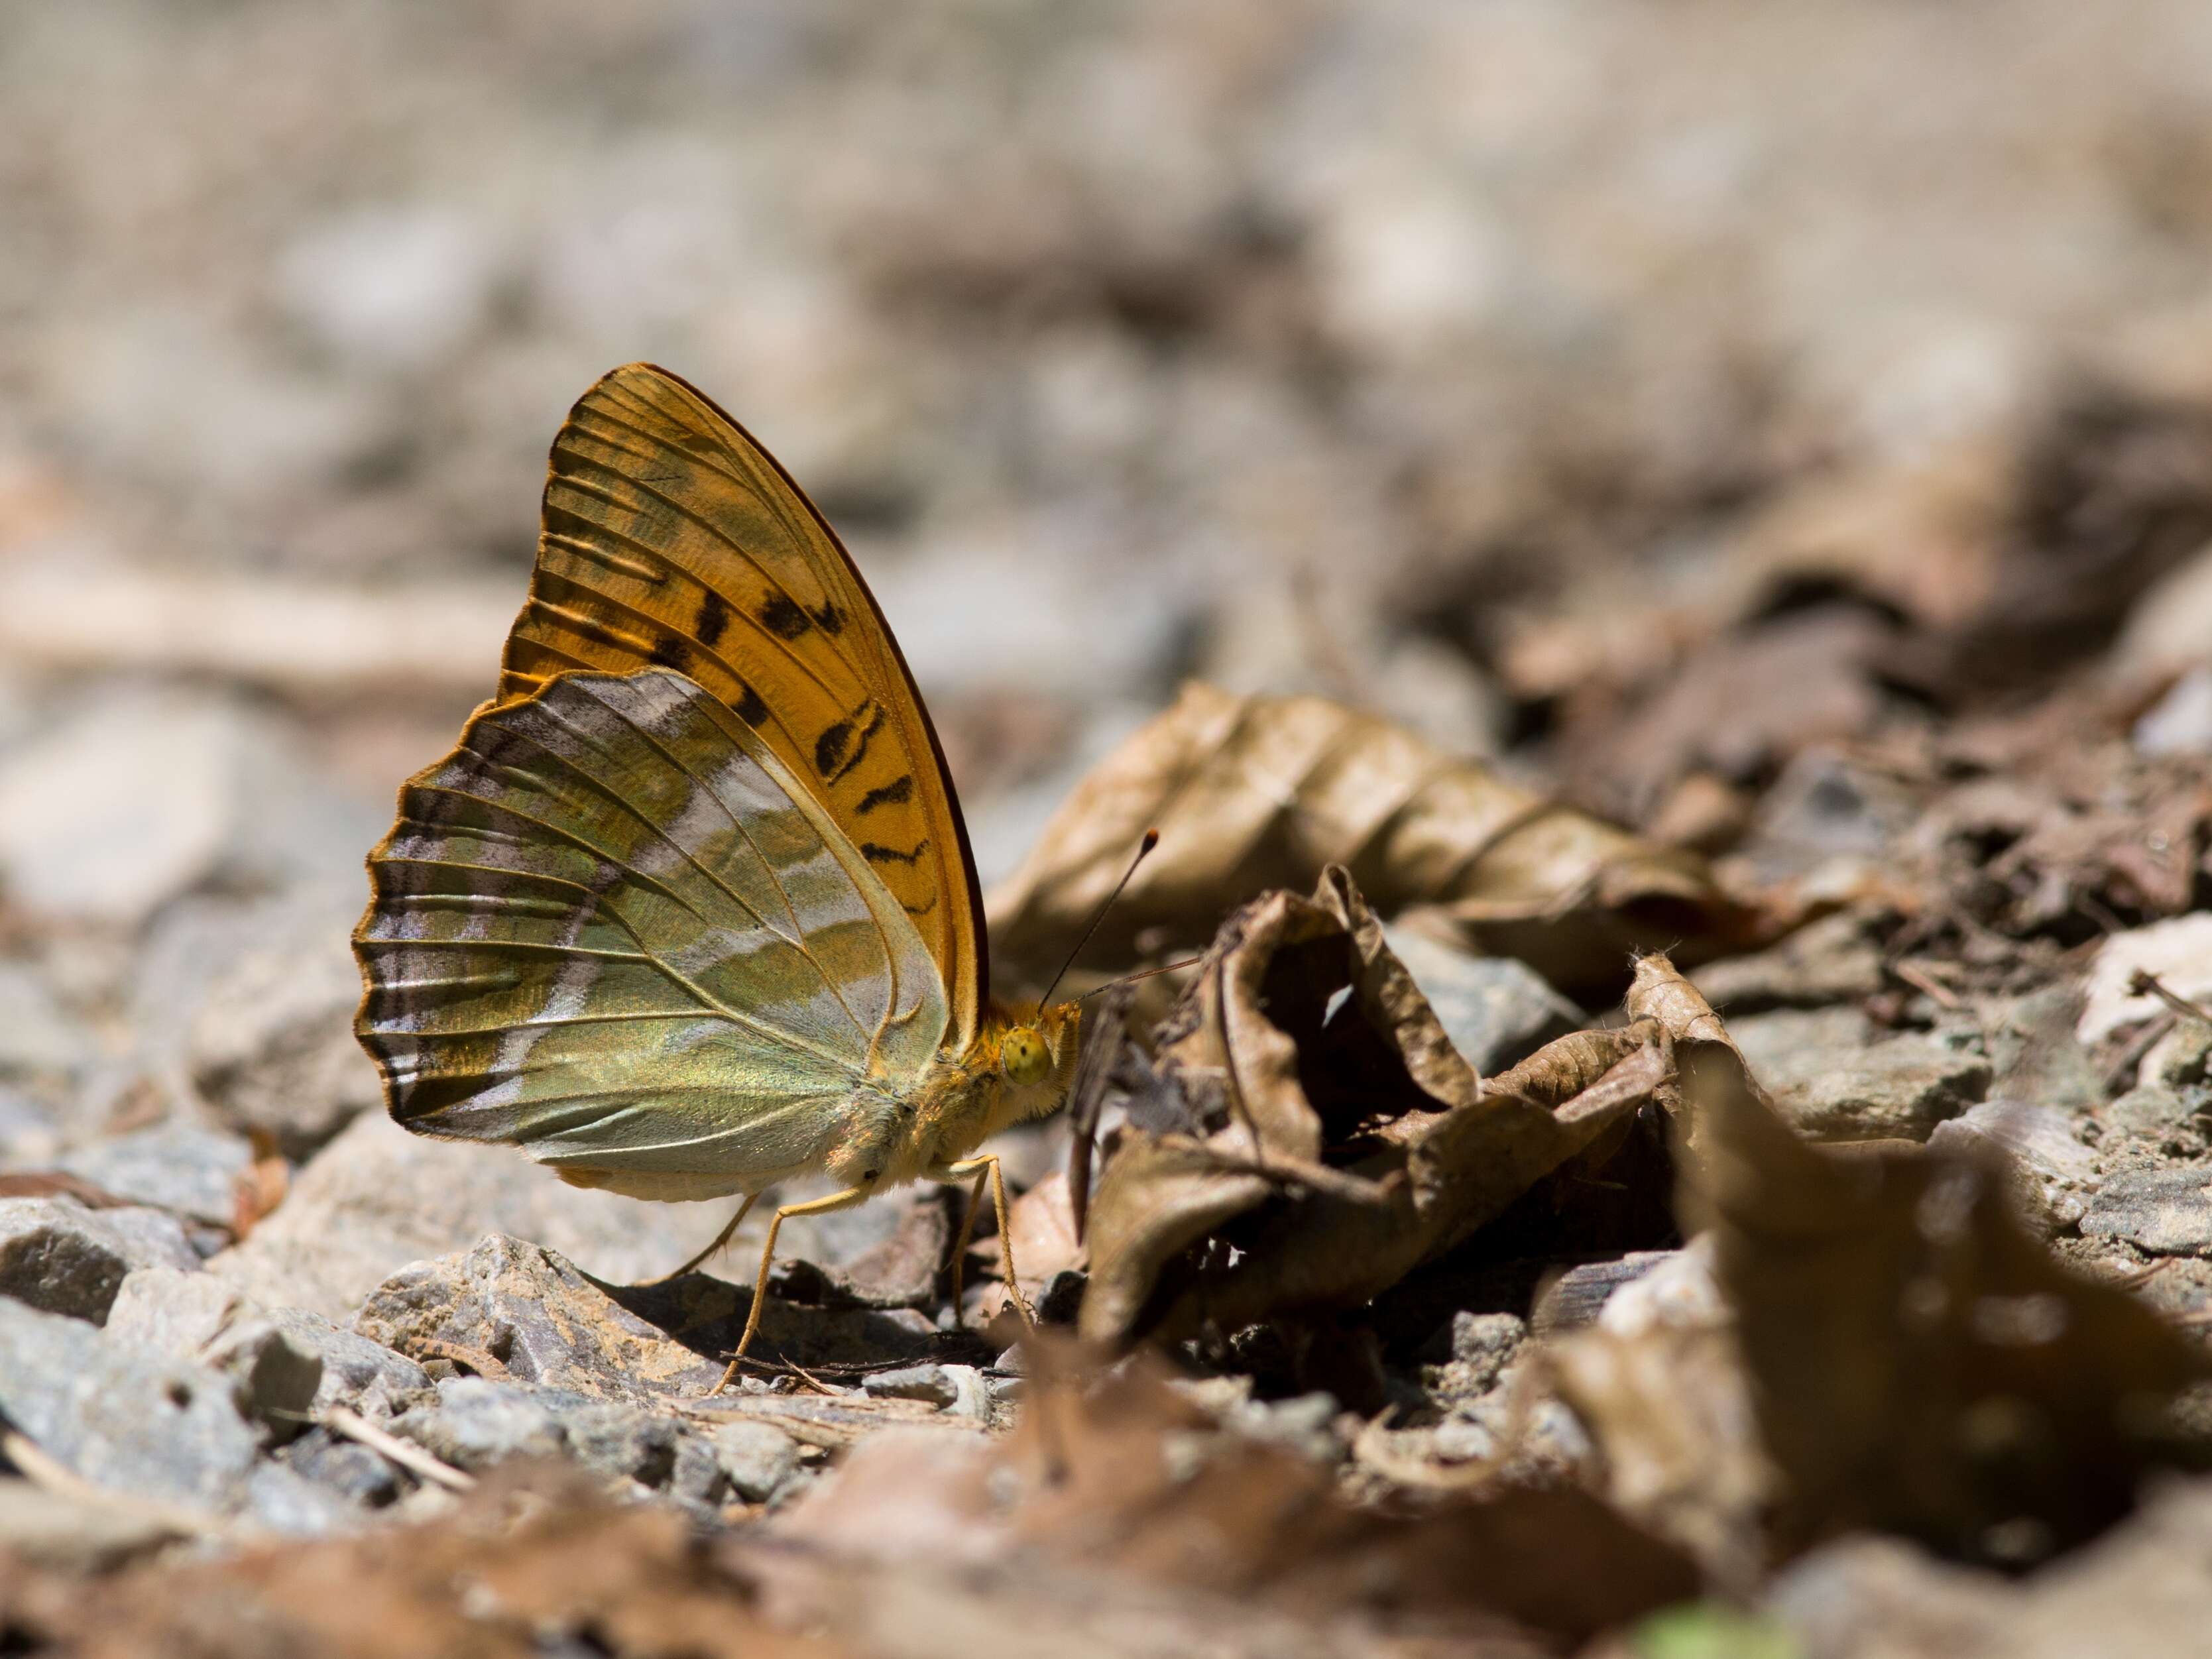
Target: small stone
[
  {"x": 361, "y": 1375},
  {"x": 159, "y": 1427},
  {"x": 2162, "y": 1211},
  {"x": 1304, "y": 1424},
  {"x": 621, "y": 1442},
  {"x": 1474, "y": 1348},
  {"x": 972, "y": 1395},
  {"x": 756, "y": 1458},
  {"x": 478, "y": 1423},
  {"x": 353, "y": 1471},
  {"x": 1897, "y": 1089},
  {"x": 2182, "y": 1059},
  {"x": 178, "y": 1167},
  {"x": 2158, "y": 1115},
  {"x": 57, "y": 1255},
  {"x": 291, "y": 1505},
  {"x": 2053, "y": 1170},
  {"x": 1497, "y": 1011},
  {"x": 695, "y": 1474},
  {"x": 1463, "y": 1440},
  {"x": 378, "y": 1198},
  {"x": 1482, "y": 1338},
  {"x": 1829, "y": 961},
  {"x": 930, "y": 1384},
  {"x": 1681, "y": 1291},
  {"x": 531, "y": 1311},
  {"x": 2178, "y": 950},
  {"x": 1769, "y": 1041},
  {"x": 196, "y": 1316}
]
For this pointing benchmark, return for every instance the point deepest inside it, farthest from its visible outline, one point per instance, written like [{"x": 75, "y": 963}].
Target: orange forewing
[{"x": 671, "y": 538}]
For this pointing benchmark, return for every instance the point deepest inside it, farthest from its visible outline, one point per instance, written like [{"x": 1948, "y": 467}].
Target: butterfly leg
[
  {"x": 721, "y": 1239},
  {"x": 844, "y": 1201},
  {"x": 988, "y": 1164},
  {"x": 967, "y": 1232}
]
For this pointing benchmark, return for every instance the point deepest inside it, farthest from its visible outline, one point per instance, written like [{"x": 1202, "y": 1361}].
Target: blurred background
[{"x": 1481, "y": 363}]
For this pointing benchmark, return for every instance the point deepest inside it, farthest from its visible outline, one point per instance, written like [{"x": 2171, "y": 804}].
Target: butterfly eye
[{"x": 1023, "y": 1056}]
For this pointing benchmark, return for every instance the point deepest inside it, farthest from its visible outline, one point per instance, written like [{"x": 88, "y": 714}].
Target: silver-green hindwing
[{"x": 612, "y": 929}]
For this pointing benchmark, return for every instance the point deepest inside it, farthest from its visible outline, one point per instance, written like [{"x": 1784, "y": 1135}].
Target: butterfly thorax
[{"x": 966, "y": 1098}]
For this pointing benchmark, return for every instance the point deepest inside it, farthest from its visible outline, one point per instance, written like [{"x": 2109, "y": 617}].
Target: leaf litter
[{"x": 1305, "y": 1191}]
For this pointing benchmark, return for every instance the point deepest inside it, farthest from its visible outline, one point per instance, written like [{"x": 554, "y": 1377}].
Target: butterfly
[{"x": 689, "y": 911}]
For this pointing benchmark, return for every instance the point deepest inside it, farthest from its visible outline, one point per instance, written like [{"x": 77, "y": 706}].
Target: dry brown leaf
[
  {"x": 261, "y": 1186},
  {"x": 1130, "y": 1484},
  {"x": 1666, "y": 1408},
  {"x": 533, "y": 1562},
  {"x": 1736, "y": 709},
  {"x": 1251, "y": 793},
  {"x": 1334, "y": 1134},
  {"x": 1920, "y": 1363}
]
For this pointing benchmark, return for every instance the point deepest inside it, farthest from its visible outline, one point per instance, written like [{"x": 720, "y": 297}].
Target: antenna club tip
[{"x": 1151, "y": 840}]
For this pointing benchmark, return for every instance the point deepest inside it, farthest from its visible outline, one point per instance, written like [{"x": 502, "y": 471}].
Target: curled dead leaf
[
  {"x": 1252, "y": 793},
  {"x": 1919, "y": 1361},
  {"x": 1327, "y": 1138}
]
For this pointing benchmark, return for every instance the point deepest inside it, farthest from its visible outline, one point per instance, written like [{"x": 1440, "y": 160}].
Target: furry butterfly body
[{"x": 688, "y": 911}]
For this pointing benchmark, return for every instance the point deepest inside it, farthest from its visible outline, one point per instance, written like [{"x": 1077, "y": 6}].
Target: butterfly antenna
[
  {"x": 1142, "y": 973},
  {"x": 1144, "y": 851}
]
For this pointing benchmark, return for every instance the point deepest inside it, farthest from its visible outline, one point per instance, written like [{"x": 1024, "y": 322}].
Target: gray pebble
[
  {"x": 177, "y": 1167},
  {"x": 288, "y": 1503},
  {"x": 621, "y": 1442},
  {"x": 2160, "y": 1115},
  {"x": 931, "y": 1383},
  {"x": 1463, "y": 1440},
  {"x": 2165, "y": 1211},
  {"x": 476, "y": 1424},
  {"x": 58, "y": 1255},
  {"x": 161, "y": 1427},
  {"x": 196, "y": 1316},
  {"x": 1497, "y": 1011},
  {"x": 352, "y": 1470},
  {"x": 1897, "y": 1089},
  {"x": 358, "y": 1373},
  {"x": 757, "y": 1458}
]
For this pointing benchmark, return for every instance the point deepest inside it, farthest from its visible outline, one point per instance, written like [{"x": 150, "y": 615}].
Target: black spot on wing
[
  {"x": 829, "y": 747},
  {"x": 782, "y": 617},
  {"x": 668, "y": 651},
  {"x": 712, "y": 620},
  {"x": 828, "y": 617},
  {"x": 876, "y": 854},
  {"x": 749, "y": 708},
  {"x": 897, "y": 790},
  {"x": 858, "y": 751},
  {"x": 921, "y": 909}
]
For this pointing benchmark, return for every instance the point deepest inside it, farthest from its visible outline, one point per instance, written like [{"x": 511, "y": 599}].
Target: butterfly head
[{"x": 1037, "y": 1050}]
